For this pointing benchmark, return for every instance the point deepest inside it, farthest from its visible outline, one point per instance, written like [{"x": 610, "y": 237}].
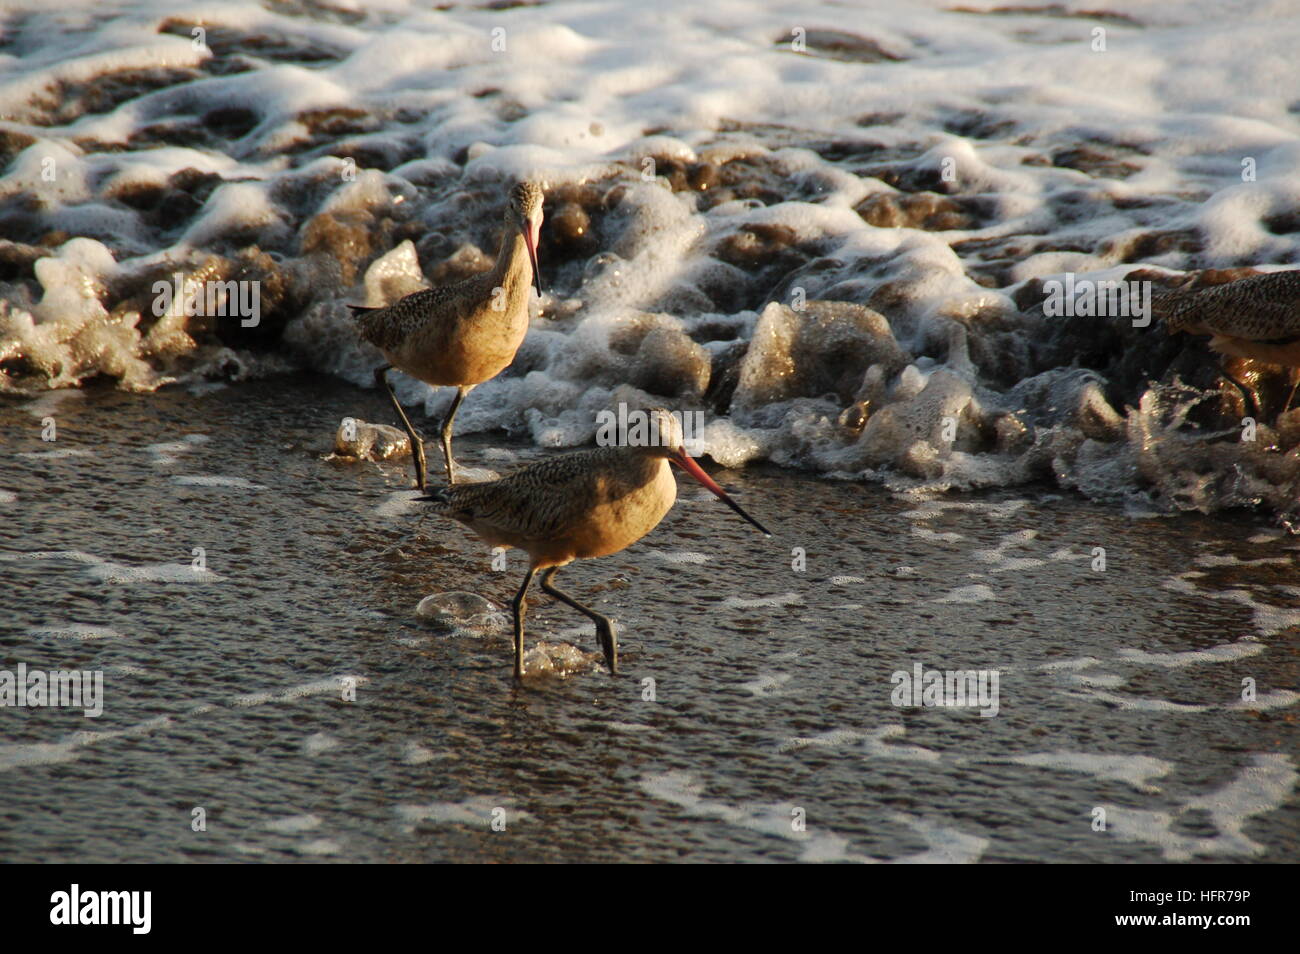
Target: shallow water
[{"x": 1119, "y": 689}]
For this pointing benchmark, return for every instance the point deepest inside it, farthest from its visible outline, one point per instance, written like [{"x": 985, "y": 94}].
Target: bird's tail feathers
[{"x": 436, "y": 495}]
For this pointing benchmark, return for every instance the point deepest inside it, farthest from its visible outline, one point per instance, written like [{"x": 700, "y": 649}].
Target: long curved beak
[
  {"x": 530, "y": 240},
  {"x": 687, "y": 463}
]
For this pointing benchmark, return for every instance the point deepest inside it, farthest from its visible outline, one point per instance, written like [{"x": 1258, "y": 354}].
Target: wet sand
[{"x": 1120, "y": 690}]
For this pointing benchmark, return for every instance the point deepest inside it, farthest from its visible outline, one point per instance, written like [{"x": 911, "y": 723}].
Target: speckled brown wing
[
  {"x": 544, "y": 499},
  {"x": 1259, "y": 308},
  {"x": 1177, "y": 309},
  {"x": 389, "y": 327}
]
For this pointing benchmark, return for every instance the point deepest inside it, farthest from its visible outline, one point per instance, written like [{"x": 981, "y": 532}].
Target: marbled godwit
[
  {"x": 1256, "y": 318},
  {"x": 575, "y": 507},
  {"x": 461, "y": 334}
]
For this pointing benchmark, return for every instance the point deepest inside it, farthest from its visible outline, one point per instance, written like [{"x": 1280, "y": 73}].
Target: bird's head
[
  {"x": 665, "y": 433},
  {"x": 524, "y": 212}
]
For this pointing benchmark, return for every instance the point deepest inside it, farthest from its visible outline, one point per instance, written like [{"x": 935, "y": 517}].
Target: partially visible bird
[
  {"x": 462, "y": 334},
  {"x": 1256, "y": 318},
  {"x": 576, "y": 507}
]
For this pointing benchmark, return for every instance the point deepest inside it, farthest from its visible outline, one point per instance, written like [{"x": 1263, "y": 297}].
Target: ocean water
[
  {"x": 828, "y": 229},
  {"x": 754, "y": 694}
]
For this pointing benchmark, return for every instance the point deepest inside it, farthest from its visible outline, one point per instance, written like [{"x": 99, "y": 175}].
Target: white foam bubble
[
  {"x": 477, "y": 811},
  {"x": 1274, "y": 699},
  {"x": 946, "y": 845},
  {"x": 61, "y": 453},
  {"x": 108, "y": 572},
  {"x": 767, "y": 684},
  {"x": 1261, "y": 786},
  {"x": 1269, "y": 619},
  {"x": 215, "y": 480},
  {"x": 293, "y": 824},
  {"x": 925, "y": 533},
  {"x": 681, "y": 556},
  {"x": 1134, "y": 770},
  {"x": 169, "y": 451},
  {"x": 413, "y": 753},
  {"x": 1228, "y": 652},
  {"x": 975, "y": 593},
  {"x": 85, "y": 631},
  {"x": 761, "y": 602},
  {"x": 19, "y": 755},
  {"x": 330, "y": 685},
  {"x": 1143, "y": 704},
  {"x": 319, "y": 743},
  {"x": 319, "y": 847}
]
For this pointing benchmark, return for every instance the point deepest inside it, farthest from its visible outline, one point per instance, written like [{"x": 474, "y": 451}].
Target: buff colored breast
[
  {"x": 470, "y": 351},
  {"x": 616, "y": 524}
]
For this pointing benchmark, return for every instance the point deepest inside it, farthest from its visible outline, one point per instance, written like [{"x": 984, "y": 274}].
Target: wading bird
[
  {"x": 1256, "y": 317},
  {"x": 463, "y": 334},
  {"x": 579, "y": 506}
]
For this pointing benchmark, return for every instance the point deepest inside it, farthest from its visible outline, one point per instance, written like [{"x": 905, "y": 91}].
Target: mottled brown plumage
[
  {"x": 569, "y": 507},
  {"x": 1256, "y": 318},
  {"x": 1263, "y": 310},
  {"x": 576, "y": 507},
  {"x": 466, "y": 333}
]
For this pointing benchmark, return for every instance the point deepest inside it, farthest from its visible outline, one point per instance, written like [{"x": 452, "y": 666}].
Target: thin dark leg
[
  {"x": 417, "y": 444},
  {"x": 1295, "y": 374},
  {"x": 604, "y": 625},
  {"x": 518, "y": 606},
  {"x": 1252, "y": 405},
  {"x": 446, "y": 433}
]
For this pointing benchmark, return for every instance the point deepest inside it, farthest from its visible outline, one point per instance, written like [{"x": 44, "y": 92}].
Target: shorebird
[
  {"x": 579, "y": 506},
  {"x": 462, "y": 334},
  {"x": 1256, "y": 318}
]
